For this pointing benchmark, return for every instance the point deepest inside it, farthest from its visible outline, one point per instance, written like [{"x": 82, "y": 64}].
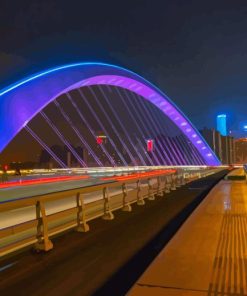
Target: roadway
[
  {"x": 17, "y": 192},
  {"x": 208, "y": 255},
  {"x": 40, "y": 184},
  {"x": 45, "y": 182}
]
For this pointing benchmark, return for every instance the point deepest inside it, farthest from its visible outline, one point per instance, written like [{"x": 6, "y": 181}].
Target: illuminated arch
[{"x": 20, "y": 102}]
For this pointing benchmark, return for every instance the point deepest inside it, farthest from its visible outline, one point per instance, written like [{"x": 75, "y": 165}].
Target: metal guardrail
[
  {"x": 44, "y": 222},
  {"x": 245, "y": 171},
  {"x": 245, "y": 168},
  {"x": 237, "y": 174}
]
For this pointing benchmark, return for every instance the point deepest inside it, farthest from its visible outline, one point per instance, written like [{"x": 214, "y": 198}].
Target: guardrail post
[
  {"x": 126, "y": 206},
  {"x": 82, "y": 225},
  {"x": 167, "y": 186},
  {"x": 180, "y": 180},
  {"x": 140, "y": 200},
  {"x": 183, "y": 179},
  {"x": 159, "y": 190},
  {"x": 107, "y": 211},
  {"x": 189, "y": 177},
  {"x": 151, "y": 195},
  {"x": 43, "y": 243},
  {"x": 177, "y": 180},
  {"x": 173, "y": 187}
]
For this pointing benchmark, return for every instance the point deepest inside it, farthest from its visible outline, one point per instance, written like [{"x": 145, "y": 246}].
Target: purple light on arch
[{"x": 20, "y": 102}]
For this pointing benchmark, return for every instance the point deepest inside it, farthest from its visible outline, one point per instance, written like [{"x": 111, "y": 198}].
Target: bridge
[
  {"x": 105, "y": 121},
  {"x": 111, "y": 143}
]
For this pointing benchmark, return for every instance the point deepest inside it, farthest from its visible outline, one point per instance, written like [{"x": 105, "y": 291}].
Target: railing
[
  {"x": 245, "y": 171},
  {"x": 33, "y": 221},
  {"x": 237, "y": 173}
]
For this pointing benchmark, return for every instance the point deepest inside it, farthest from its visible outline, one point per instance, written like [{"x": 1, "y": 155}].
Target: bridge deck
[{"x": 208, "y": 255}]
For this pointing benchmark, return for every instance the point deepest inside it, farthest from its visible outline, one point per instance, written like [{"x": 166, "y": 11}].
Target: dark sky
[{"x": 195, "y": 51}]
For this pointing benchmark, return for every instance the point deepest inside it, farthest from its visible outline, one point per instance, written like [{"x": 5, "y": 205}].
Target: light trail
[
  {"x": 42, "y": 181},
  {"x": 139, "y": 175}
]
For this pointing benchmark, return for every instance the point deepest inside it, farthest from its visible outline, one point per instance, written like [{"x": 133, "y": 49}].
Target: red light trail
[
  {"x": 42, "y": 181},
  {"x": 139, "y": 175}
]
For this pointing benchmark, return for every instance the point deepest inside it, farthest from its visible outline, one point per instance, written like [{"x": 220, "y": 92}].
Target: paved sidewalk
[{"x": 208, "y": 255}]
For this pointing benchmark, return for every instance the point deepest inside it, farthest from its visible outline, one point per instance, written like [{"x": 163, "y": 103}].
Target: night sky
[{"x": 195, "y": 51}]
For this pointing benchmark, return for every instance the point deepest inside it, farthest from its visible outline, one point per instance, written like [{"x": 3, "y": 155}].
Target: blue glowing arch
[{"x": 20, "y": 102}]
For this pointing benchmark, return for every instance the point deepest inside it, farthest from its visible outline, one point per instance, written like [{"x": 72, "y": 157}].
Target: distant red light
[
  {"x": 150, "y": 145},
  {"x": 99, "y": 140},
  {"x": 5, "y": 167}
]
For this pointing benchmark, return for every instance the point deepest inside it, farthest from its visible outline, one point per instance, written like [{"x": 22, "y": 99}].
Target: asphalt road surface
[{"x": 17, "y": 192}]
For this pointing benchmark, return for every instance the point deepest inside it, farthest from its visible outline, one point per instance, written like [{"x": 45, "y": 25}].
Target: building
[
  {"x": 213, "y": 138},
  {"x": 241, "y": 150},
  {"x": 223, "y": 146},
  {"x": 221, "y": 124},
  {"x": 228, "y": 151}
]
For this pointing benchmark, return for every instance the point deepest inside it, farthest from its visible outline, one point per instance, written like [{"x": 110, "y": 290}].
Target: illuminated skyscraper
[{"x": 221, "y": 124}]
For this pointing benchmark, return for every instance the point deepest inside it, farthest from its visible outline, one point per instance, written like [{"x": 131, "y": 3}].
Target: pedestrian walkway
[{"x": 208, "y": 255}]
